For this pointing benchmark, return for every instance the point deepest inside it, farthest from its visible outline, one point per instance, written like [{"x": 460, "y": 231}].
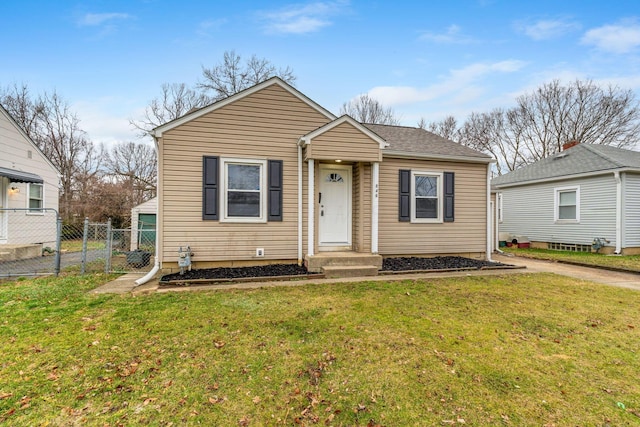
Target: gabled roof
[
  {"x": 579, "y": 160},
  {"x": 419, "y": 143},
  {"x": 306, "y": 139},
  {"x": 157, "y": 132}
]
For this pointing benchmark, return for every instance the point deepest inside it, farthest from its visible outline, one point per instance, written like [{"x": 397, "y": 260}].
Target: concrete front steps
[
  {"x": 18, "y": 252},
  {"x": 344, "y": 264}
]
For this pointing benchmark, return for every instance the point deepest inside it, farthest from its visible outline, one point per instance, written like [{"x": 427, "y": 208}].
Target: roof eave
[{"x": 428, "y": 156}]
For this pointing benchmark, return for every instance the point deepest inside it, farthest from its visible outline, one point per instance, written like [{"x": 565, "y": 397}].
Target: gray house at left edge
[
  {"x": 28, "y": 187},
  {"x": 582, "y": 197}
]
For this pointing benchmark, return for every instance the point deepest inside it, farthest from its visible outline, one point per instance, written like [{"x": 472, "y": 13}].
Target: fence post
[
  {"x": 56, "y": 268},
  {"x": 107, "y": 261},
  {"x": 85, "y": 238}
]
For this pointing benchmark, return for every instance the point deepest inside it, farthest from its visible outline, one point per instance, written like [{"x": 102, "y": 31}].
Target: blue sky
[{"x": 427, "y": 59}]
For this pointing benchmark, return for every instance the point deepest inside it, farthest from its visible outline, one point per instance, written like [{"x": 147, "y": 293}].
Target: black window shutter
[
  {"x": 210, "y": 187},
  {"x": 404, "y": 203},
  {"x": 449, "y": 191},
  {"x": 275, "y": 190}
]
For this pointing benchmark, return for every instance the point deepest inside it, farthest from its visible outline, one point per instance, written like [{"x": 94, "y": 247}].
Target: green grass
[
  {"x": 516, "y": 350},
  {"x": 626, "y": 262},
  {"x": 76, "y": 245}
]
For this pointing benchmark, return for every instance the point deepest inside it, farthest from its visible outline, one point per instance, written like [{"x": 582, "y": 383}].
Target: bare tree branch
[{"x": 368, "y": 110}]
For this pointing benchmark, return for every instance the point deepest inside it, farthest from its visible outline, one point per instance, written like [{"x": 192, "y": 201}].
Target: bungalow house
[
  {"x": 28, "y": 184},
  {"x": 584, "y": 196},
  {"x": 269, "y": 176}
]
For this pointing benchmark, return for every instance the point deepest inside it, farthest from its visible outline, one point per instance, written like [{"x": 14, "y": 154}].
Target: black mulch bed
[
  {"x": 271, "y": 270},
  {"x": 436, "y": 263},
  {"x": 283, "y": 270}
]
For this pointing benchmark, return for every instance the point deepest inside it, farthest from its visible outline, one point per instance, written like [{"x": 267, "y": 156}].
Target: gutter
[
  {"x": 409, "y": 155},
  {"x": 156, "y": 259}
]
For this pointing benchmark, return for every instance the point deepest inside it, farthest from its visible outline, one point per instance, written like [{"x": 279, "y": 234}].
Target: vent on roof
[{"x": 560, "y": 155}]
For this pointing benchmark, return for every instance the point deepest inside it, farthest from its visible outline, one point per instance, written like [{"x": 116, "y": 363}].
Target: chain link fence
[{"x": 35, "y": 242}]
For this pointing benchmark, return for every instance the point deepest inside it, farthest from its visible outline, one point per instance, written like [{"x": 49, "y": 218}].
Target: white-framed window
[
  {"x": 426, "y": 196},
  {"x": 35, "y": 199},
  {"x": 567, "y": 204},
  {"x": 243, "y": 190},
  {"x": 500, "y": 209}
]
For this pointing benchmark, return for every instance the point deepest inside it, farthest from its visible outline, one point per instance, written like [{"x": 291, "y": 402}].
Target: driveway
[{"x": 607, "y": 277}]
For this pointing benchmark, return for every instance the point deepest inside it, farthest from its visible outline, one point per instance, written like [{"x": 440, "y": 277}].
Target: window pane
[
  {"x": 426, "y": 208},
  {"x": 567, "y": 212},
  {"x": 243, "y": 204},
  {"x": 426, "y": 186},
  {"x": 567, "y": 198},
  {"x": 35, "y": 191},
  {"x": 243, "y": 177}
]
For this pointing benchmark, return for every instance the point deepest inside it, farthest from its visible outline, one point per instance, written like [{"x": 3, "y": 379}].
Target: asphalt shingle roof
[
  {"x": 579, "y": 159},
  {"x": 412, "y": 140}
]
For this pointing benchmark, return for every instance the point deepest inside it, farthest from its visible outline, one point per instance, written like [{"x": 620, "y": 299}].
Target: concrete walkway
[{"x": 126, "y": 283}]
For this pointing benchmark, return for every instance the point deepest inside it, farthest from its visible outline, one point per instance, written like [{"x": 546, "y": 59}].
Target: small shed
[{"x": 143, "y": 225}]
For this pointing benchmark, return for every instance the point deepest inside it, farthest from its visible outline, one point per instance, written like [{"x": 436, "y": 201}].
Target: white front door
[{"x": 334, "y": 210}]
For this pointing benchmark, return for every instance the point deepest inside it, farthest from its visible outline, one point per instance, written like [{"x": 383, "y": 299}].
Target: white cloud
[
  {"x": 104, "y": 121},
  {"x": 619, "y": 38},
  {"x": 547, "y": 29},
  {"x": 451, "y": 36},
  {"x": 454, "y": 85},
  {"x": 96, "y": 19},
  {"x": 205, "y": 28},
  {"x": 301, "y": 19}
]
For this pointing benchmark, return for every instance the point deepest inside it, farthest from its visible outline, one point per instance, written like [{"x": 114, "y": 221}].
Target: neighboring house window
[
  {"x": 36, "y": 198},
  {"x": 567, "y": 204},
  {"x": 500, "y": 211},
  {"x": 426, "y": 195},
  {"x": 243, "y": 197}
]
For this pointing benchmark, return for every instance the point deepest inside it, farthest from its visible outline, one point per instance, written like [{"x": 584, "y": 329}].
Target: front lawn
[
  {"x": 514, "y": 350},
  {"x": 625, "y": 262}
]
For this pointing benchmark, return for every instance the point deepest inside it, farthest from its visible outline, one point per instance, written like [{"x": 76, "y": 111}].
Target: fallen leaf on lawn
[
  {"x": 5, "y": 395},
  {"x": 256, "y": 400},
  {"x": 244, "y": 421},
  {"x": 219, "y": 344}
]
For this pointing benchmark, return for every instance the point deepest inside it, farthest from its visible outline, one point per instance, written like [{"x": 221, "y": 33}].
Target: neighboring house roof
[
  {"x": 579, "y": 160},
  {"x": 416, "y": 142}
]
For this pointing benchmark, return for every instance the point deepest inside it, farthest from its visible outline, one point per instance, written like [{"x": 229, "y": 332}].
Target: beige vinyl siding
[
  {"x": 356, "y": 217},
  {"x": 264, "y": 125},
  {"x": 365, "y": 218},
  {"x": 467, "y": 234},
  {"x": 344, "y": 142}
]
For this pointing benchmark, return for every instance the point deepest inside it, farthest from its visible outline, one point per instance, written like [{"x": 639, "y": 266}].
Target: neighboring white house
[
  {"x": 584, "y": 194},
  {"x": 28, "y": 183},
  {"x": 143, "y": 224}
]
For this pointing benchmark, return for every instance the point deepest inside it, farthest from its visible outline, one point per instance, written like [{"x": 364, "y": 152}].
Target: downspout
[
  {"x": 299, "y": 204},
  {"x": 616, "y": 175},
  {"x": 156, "y": 262},
  {"x": 496, "y": 232},
  {"x": 311, "y": 208},
  {"x": 488, "y": 212},
  {"x": 374, "y": 207}
]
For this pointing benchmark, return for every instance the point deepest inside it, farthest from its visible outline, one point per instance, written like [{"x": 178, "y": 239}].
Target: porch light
[
  {"x": 338, "y": 161},
  {"x": 14, "y": 190}
]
